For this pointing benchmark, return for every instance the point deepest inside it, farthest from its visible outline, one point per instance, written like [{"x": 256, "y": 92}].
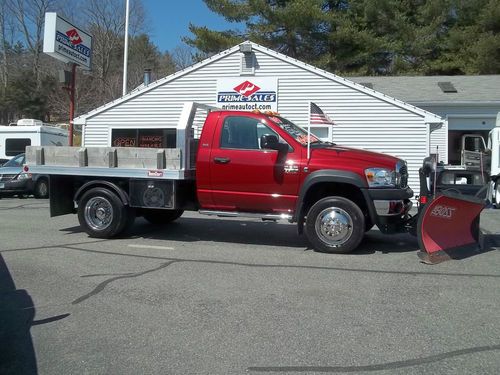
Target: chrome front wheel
[{"x": 335, "y": 225}]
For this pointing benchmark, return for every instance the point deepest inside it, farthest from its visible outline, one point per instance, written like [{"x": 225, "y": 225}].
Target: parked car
[{"x": 14, "y": 181}]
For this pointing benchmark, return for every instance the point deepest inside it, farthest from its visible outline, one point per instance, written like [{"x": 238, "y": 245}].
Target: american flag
[{"x": 318, "y": 117}]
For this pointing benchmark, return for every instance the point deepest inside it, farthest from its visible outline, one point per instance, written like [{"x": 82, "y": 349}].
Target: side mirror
[
  {"x": 429, "y": 165},
  {"x": 271, "y": 142}
]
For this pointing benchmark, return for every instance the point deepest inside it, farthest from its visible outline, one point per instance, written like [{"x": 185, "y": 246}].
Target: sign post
[
  {"x": 64, "y": 41},
  {"x": 72, "y": 103}
]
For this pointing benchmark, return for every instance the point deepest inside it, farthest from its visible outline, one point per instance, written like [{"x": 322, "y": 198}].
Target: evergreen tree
[
  {"x": 371, "y": 37},
  {"x": 293, "y": 27}
]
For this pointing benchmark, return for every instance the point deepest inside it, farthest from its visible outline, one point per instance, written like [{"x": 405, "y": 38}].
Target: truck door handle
[{"x": 222, "y": 160}]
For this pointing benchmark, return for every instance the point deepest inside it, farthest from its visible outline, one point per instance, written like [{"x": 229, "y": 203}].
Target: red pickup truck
[{"x": 244, "y": 164}]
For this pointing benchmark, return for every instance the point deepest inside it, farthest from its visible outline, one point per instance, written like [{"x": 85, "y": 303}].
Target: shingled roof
[{"x": 482, "y": 89}]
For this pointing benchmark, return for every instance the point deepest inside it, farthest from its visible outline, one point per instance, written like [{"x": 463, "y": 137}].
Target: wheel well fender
[
  {"x": 324, "y": 183},
  {"x": 105, "y": 184}
]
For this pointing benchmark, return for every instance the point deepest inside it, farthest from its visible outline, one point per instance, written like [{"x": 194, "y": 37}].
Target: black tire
[
  {"x": 158, "y": 216},
  {"x": 102, "y": 214},
  {"x": 41, "y": 190},
  {"x": 342, "y": 229}
]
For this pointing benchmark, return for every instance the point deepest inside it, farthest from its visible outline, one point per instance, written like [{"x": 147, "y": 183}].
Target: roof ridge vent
[{"x": 447, "y": 87}]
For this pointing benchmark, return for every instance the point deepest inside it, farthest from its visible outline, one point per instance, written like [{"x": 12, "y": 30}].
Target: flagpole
[
  {"x": 309, "y": 133},
  {"x": 125, "y": 53}
]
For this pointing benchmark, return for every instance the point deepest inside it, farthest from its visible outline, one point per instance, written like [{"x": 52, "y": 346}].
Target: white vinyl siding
[
  {"x": 439, "y": 142},
  {"x": 363, "y": 120}
]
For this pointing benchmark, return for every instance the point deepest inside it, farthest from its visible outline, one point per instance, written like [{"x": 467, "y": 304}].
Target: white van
[{"x": 28, "y": 132}]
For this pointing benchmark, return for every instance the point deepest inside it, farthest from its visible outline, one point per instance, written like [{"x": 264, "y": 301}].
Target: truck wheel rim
[
  {"x": 334, "y": 226},
  {"x": 98, "y": 213}
]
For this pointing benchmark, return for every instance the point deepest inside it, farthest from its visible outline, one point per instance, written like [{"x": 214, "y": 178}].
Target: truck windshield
[{"x": 298, "y": 133}]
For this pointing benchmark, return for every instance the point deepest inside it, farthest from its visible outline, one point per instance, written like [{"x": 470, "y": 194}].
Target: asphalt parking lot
[{"x": 209, "y": 296}]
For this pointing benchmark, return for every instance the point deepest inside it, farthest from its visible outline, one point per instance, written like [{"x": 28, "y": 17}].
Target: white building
[
  {"x": 364, "y": 118},
  {"x": 469, "y": 103}
]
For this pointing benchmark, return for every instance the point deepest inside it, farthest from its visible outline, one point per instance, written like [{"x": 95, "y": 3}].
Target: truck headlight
[{"x": 380, "y": 177}]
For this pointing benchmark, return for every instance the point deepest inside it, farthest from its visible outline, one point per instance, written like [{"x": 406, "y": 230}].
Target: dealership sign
[
  {"x": 66, "y": 42},
  {"x": 247, "y": 94}
]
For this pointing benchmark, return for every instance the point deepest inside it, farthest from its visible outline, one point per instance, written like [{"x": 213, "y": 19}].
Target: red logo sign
[
  {"x": 73, "y": 36},
  {"x": 247, "y": 88},
  {"x": 155, "y": 173}
]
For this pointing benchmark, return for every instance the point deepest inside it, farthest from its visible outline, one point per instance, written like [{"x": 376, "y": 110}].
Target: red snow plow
[{"x": 447, "y": 224}]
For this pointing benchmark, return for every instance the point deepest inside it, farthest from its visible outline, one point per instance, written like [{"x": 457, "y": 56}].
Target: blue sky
[{"x": 170, "y": 20}]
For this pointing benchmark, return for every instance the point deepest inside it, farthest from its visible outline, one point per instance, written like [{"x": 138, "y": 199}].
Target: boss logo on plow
[{"x": 444, "y": 212}]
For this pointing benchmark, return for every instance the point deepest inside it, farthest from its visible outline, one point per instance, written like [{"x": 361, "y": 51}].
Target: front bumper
[
  {"x": 392, "y": 208},
  {"x": 389, "y": 208},
  {"x": 16, "y": 186}
]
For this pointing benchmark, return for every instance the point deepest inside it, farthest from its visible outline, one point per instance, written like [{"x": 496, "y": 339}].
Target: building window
[
  {"x": 17, "y": 146},
  {"x": 150, "y": 138}
]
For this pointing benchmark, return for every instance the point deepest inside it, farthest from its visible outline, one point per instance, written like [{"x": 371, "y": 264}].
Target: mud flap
[{"x": 448, "y": 228}]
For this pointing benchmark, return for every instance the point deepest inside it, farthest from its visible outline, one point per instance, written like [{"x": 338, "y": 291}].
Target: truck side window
[
  {"x": 239, "y": 132},
  {"x": 243, "y": 133}
]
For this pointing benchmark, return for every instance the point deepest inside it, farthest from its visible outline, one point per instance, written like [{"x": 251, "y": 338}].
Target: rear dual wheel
[
  {"x": 102, "y": 214},
  {"x": 335, "y": 225}
]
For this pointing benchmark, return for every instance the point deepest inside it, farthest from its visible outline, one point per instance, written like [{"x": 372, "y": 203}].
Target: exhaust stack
[{"x": 147, "y": 77}]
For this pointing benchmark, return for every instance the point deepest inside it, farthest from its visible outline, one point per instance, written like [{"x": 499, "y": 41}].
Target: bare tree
[
  {"x": 30, "y": 17},
  {"x": 21, "y": 39},
  {"x": 106, "y": 22},
  {"x": 182, "y": 56}
]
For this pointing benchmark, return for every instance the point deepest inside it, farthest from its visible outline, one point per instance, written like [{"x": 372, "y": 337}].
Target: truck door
[{"x": 245, "y": 177}]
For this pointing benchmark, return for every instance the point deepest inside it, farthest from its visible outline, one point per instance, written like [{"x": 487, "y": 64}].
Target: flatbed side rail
[
  {"x": 107, "y": 161},
  {"x": 104, "y": 157}
]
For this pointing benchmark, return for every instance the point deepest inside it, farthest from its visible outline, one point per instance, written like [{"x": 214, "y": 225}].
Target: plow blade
[{"x": 448, "y": 228}]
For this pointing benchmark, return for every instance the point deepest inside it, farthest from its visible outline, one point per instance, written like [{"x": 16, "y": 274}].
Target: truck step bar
[{"x": 246, "y": 214}]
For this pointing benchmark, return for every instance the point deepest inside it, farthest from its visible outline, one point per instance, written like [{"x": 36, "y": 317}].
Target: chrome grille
[{"x": 7, "y": 177}]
